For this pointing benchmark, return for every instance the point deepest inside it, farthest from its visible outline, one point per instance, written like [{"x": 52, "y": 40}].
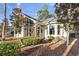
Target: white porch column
[
  {"x": 56, "y": 30},
  {"x": 61, "y": 30},
  {"x": 45, "y": 33},
  {"x": 48, "y": 30},
  {"x": 35, "y": 30},
  {"x": 22, "y": 31}
]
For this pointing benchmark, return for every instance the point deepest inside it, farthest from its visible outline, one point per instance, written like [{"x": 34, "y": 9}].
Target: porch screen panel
[
  {"x": 51, "y": 30},
  {"x": 58, "y": 27}
]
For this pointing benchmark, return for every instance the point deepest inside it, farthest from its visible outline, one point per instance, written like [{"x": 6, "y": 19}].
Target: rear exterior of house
[
  {"x": 28, "y": 28},
  {"x": 54, "y": 29},
  {"x": 31, "y": 27},
  {"x": 27, "y": 25}
]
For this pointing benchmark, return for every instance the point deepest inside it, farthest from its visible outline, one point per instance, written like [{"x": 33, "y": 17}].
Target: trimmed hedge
[
  {"x": 10, "y": 48},
  {"x": 31, "y": 40},
  {"x": 50, "y": 38}
]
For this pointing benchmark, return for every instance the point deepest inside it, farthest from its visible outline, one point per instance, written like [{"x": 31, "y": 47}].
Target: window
[
  {"x": 58, "y": 28},
  {"x": 51, "y": 29}
]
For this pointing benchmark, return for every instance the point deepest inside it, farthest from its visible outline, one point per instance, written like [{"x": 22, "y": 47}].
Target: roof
[
  {"x": 25, "y": 15},
  {"x": 29, "y": 16},
  {"x": 50, "y": 20}
]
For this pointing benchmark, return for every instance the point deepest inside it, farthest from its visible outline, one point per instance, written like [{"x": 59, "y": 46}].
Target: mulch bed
[
  {"x": 46, "y": 49},
  {"x": 75, "y": 49},
  {"x": 56, "y": 49}
]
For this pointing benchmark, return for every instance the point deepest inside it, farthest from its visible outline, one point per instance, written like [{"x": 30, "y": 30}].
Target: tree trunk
[
  {"x": 3, "y": 31},
  {"x": 68, "y": 34},
  {"x": 18, "y": 35},
  {"x": 14, "y": 33},
  {"x": 67, "y": 38}
]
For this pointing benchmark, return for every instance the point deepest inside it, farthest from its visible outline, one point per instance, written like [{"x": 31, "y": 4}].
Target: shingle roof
[
  {"x": 29, "y": 16},
  {"x": 50, "y": 20}
]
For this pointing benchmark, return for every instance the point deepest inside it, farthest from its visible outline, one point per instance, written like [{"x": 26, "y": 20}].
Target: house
[
  {"x": 45, "y": 28},
  {"x": 35, "y": 29},
  {"x": 28, "y": 27},
  {"x": 57, "y": 30},
  {"x": 54, "y": 29}
]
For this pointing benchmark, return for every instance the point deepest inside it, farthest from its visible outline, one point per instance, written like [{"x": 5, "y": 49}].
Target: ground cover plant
[
  {"x": 10, "y": 48},
  {"x": 50, "y": 38},
  {"x": 31, "y": 40}
]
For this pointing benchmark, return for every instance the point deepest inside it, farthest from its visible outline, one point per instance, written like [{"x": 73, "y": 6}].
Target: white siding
[{"x": 62, "y": 34}]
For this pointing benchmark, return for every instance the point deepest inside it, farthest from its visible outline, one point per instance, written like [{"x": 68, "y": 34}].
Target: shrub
[
  {"x": 8, "y": 48},
  {"x": 50, "y": 38},
  {"x": 31, "y": 40}
]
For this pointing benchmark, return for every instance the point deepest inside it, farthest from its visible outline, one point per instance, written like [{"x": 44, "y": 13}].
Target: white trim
[
  {"x": 61, "y": 35},
  {"x": 48, "y": 30},
  {"x": 31, "y": 19}
]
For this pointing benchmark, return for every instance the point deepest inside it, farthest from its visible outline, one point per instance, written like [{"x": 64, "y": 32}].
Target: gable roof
[
  {"x": 50, "y": 20},
  {"x": 29, "y": 16},
  {"x": 22, "y": 14}
]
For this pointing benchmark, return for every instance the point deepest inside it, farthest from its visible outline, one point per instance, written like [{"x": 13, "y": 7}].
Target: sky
[{"x": 27, "y": 8}]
